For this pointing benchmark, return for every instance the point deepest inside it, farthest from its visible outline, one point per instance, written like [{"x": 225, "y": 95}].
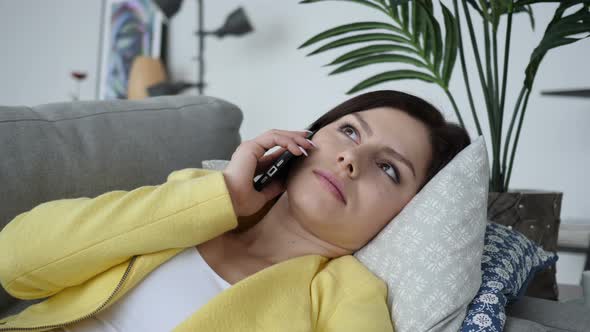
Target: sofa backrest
[{"x": 86, "y": 148}]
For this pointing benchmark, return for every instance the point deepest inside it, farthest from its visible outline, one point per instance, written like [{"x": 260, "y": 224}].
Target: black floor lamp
[{"x": 236, "y": 24}]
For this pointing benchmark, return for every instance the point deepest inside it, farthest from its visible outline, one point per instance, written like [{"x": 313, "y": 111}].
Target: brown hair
[{"x": 447, "y": 139}]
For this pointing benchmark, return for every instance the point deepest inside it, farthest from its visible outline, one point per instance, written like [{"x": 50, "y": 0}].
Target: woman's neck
[{"x": 279, "y": 236}]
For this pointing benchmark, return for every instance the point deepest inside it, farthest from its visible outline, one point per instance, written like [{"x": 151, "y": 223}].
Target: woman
[{"x": 126, "y": 261}]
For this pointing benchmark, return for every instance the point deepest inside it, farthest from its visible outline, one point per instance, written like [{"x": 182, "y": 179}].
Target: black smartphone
[{"x": 278, "y": 167}]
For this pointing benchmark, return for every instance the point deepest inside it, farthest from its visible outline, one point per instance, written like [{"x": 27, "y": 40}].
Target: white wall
[
  {"x": 41, "y": 42},
  {"x": 277, "y": 86}
]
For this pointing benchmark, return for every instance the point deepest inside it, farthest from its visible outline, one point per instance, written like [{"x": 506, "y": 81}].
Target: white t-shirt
[{"x": 164, "y": 299}]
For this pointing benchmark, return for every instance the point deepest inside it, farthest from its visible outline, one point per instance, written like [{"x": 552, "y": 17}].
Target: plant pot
[{"x": 536, "y": 214}]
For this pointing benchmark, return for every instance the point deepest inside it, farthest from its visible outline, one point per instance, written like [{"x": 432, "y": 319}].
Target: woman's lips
[{"x": 330, "y": 187}]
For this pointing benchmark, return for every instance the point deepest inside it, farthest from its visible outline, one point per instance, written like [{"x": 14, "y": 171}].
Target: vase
[
  {"x": 536, "y": 214},
  {"x": 145, "y": 72}
]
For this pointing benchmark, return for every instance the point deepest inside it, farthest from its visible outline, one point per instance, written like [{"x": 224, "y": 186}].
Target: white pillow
[
  {"x": 430, "y": 253},
  {"x": 215, "y": 164}
]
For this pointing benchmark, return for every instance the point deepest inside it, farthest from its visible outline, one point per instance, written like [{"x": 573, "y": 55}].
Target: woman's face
[{"x": 380, "y": 157}]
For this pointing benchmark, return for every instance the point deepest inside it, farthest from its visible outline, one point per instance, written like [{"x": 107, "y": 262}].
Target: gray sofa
[{"x": 76, "y": 149}]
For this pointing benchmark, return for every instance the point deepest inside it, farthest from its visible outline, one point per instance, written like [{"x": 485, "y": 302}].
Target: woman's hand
[{"x": 249, "y": 160}]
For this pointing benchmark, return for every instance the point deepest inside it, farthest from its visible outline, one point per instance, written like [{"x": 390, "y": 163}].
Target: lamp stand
[{"x": 201, "y": 47}]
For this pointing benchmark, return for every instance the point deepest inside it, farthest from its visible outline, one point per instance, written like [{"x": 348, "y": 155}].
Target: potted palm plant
[{"x": 412, "y": 36}]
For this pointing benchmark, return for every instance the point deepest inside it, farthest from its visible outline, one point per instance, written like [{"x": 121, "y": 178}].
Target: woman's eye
[
  {"x": 393, "y": 172},
  {"x": 349, "y": 129}
]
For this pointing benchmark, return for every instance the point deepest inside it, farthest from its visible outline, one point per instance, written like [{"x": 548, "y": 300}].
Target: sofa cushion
[{"x": 509, "y": 261}]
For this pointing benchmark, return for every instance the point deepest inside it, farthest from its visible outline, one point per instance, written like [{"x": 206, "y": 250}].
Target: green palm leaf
[
  {"x": 405, "y": 15},
  {"x": 427, "y": 32},
  {"x": 475, "y": 6},
  {"x": 391, "y": 76},
  {"x": 560, "y": 31},
  {"x": 360, "y": 39},
  {"x": 451, "y": 44},
  {"x": 394, "y": 3},
  {"x": 381, "y": 58},
  {"x": 416, "y": 23},
  {"x": 395, "y": 12},
  {"x": 520, "y": 3},
  {"x": 501, "y": 7},
  {"x": 415, "y": 33},
  {"x": 350, "y": 28},
  {"x": 371, "y": 49},
  {"x": 433, "y": 37},
  {"x": 529, "y": 10}
]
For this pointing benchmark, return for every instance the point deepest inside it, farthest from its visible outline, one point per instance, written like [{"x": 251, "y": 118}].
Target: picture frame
[{"x": 128, "y": 28}]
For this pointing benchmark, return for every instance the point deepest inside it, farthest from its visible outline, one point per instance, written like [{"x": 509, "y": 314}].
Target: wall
[
  {"x": 41, "y": 42},
  {"x": 277, "y": 86}
]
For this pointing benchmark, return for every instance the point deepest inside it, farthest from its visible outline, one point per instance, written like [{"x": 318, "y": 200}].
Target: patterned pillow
[
  {"x": 510, "y": 260},
  {"x": 430, "y": 253}
]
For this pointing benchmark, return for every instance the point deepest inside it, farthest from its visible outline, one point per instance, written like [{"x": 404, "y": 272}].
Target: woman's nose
[{"x": 347, "y": 161}]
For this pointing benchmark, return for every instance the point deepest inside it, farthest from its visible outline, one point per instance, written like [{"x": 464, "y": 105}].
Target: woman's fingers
[
  {"x": 290, "y": 140},
  {"x": 249, "y": 159},
  {"x": 299, "y": 137}
]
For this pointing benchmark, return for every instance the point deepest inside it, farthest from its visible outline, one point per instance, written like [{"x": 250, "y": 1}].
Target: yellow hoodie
[{"x": 84, "y": 254}]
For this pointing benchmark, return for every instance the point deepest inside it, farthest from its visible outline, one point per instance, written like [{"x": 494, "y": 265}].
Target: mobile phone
[{"x": 278, "y": 167}]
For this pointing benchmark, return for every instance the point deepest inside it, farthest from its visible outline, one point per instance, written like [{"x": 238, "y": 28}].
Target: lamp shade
[
  {"x": 237, "y": 24},
  {"x": 168, "y": 7}
]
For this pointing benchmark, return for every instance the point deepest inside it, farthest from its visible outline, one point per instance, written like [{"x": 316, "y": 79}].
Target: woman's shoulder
[
  {"x": 189, "y": 173},
  {"x": 350, "y": 274}
]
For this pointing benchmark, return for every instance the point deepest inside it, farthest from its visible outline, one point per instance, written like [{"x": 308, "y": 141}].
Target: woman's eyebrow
[
  {"x": 364, "y": 124},
  {"x": 388, "y": 149}
]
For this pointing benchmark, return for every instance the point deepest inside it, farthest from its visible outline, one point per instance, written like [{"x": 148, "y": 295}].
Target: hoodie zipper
[{"x": 119, "y": 285}]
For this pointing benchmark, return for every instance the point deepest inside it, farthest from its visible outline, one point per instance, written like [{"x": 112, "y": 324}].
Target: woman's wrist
[{"x": 232, "y": 195}]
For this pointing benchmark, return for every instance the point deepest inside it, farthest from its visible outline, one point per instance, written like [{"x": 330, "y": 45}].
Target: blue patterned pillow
[{"x": 509, "y": 261}]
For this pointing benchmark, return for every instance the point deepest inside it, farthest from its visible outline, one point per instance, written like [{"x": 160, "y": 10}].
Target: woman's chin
[{"x": 313, "y": 204}]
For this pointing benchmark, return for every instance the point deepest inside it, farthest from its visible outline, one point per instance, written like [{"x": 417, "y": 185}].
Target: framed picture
[{"x": 128, "y": 28}]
